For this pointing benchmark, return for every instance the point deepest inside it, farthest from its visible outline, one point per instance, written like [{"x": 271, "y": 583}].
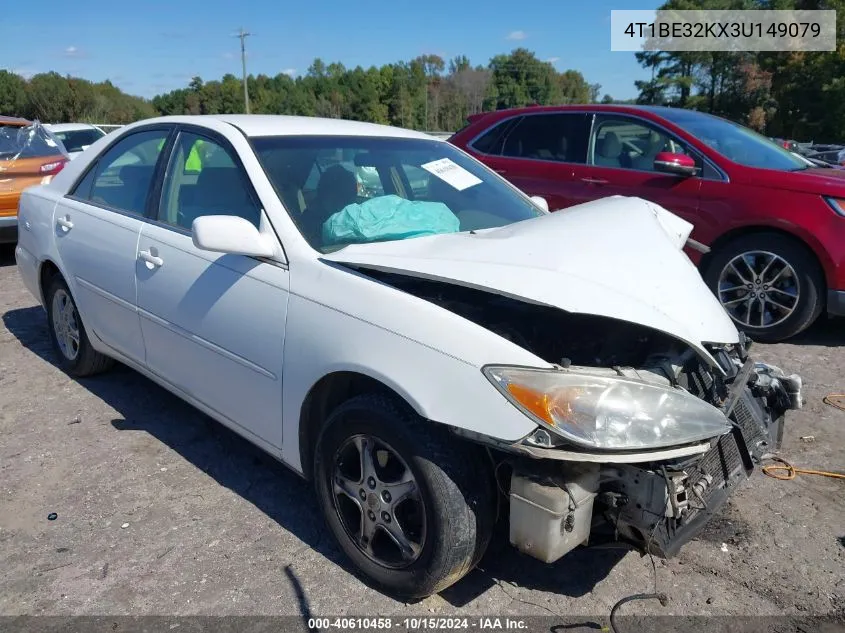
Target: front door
[
  {"x": 213, "y": 324},
  {"x": 621, "y": 162},
  {"x": 99, "y": 221}
]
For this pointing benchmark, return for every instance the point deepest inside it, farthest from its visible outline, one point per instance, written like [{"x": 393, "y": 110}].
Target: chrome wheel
[
  {"x": 65, "y": 324},
  {"x": 378, "y": 501},
  {"x": 759, "y": 289}
]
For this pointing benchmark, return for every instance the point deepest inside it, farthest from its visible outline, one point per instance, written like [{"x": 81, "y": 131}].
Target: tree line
[
  {"x": 795, "y": 95},
  {"x": 53, "y": 98},
  {"x": 798, "y": 95},
  {"x": 425, "y": 93}
]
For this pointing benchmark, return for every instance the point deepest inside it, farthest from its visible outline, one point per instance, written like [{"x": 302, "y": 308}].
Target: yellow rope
[
  {"x": 791, "y": 471},
  {"x": 828, "y": 399}
]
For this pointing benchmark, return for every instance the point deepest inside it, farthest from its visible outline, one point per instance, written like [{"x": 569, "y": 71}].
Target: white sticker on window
[
  {"x": 451, "y": 173},
  {"x": 50, "y": 142}
]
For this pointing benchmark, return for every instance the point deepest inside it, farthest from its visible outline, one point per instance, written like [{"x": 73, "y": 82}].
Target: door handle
[
  {"x": 152, "y": 260},
  {"x": 65, "y": 223},
  {"x": 595, "y": 181},
  {"x": 501, "y": 171}
]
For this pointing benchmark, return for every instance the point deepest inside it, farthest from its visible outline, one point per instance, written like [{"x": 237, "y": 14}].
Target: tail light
[{"x": 51, "y": 169}]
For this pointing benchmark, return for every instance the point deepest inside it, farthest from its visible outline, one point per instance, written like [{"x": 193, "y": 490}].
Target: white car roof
[
  {"x": 69, "y": 127},
  {"x": 285, "y": 125}
]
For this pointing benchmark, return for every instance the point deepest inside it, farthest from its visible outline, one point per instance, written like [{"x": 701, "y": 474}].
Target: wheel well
[
  {"x": 47, "y": 272},
  {"x": 324, "y": 397},
  {"x": 719, "y": 242}
]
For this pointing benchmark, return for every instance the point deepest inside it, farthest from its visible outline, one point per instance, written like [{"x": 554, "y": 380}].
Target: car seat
[
  {"x": 336, "y": 188},
  {"x": 608, "y": 151}
]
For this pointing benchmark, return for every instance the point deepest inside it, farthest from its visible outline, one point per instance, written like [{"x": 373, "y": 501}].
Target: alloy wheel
[
  {"x": 378, "y": 501},
  {"x": 65, "y": 324},
  {"x": 759, "y": 289}
]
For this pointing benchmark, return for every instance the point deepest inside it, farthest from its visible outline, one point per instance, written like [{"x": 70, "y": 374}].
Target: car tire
[
  {"x": 805, "y": 280},
  {"x": 76, "y": 357},
  {"x": 454, "y": 499}
]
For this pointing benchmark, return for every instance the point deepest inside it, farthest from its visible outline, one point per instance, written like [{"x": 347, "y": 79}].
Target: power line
[{"x": 243, "y": 35}]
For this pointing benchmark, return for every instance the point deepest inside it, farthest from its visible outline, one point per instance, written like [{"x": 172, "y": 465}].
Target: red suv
[{"x": 775, "y": 224}]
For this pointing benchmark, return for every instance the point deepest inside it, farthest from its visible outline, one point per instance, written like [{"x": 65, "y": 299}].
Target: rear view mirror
[
  {"x": 670, "y": 163},
  {"x": 540, "y": 201},
  {"x": 230, "y": 234}
]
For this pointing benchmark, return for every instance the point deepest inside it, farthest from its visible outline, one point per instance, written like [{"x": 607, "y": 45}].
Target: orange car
[{"x": 28, "y": 156}]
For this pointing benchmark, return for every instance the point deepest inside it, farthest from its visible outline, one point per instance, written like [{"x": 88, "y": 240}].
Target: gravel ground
[{"x": 161, "y": 511}]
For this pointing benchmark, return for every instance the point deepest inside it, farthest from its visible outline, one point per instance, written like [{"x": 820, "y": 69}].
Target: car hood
[
  {"x": 815, "y": 180},
  {"x": 617, "y": 257}
]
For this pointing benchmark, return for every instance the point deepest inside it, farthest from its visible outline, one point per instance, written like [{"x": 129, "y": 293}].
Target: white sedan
[
  {"x": 430, "y": 357},
  {"x": 76, "y": 137}
]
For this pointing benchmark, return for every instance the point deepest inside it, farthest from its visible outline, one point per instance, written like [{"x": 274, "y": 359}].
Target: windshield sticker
[{"x": 451, "y": 173}]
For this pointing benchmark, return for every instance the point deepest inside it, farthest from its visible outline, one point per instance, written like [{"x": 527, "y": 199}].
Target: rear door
[
  {"x": 539, "y": 153},
  {"x": 97, "y": 227},
  {"x": 621, "y": 162}
]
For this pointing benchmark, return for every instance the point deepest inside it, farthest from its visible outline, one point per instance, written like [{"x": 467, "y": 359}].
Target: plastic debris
[
  {"x": 724, "y": 547},
  {"x": 52, "y": 516},
  {"x": 808, "y": 438},
  {"x": 124, "y": 526}
]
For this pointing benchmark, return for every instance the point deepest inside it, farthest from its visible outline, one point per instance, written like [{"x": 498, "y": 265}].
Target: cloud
[
  {"x": 72, "y": 51},
  {"x": 552, "y": 60},
  {"x": 516, "y": 35},
  {"x": 26, "y": 73},
  {"x": 289, "y": 71}
]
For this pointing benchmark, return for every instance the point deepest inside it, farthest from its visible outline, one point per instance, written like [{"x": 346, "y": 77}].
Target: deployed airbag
[{"x": 388, "y": 218}]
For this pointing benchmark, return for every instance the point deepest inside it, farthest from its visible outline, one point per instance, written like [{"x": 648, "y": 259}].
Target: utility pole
[{"x": 243, "y": 35}]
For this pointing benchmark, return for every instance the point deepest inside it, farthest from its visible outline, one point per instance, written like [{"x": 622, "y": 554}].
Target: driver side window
[
  {"x": 204, "y": 178},
  {"x": 623, "y": 143}
]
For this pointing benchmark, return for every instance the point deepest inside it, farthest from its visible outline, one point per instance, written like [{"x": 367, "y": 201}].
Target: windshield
[
  {"x": 343, "y": 190},
  {"x": 31, "y": 141},
  {"x": 735, "y": 142},
  {"x": 78, "y": 140}
]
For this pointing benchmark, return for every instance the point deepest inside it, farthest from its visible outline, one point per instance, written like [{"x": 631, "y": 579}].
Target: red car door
[
  {"x": 621, "y": 162},
  {"x": 538, "y": 153}
]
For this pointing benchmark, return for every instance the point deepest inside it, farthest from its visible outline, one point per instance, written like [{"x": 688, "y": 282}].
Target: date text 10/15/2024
[
  {"x": 481, "y": 623},
  {"x": 723, "y": 30}
]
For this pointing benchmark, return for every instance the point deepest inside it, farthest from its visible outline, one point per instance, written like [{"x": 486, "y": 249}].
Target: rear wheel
[
  {"x": 67, "y": 333},
  {"x": 770, "y": 285},
  {"x": 410, "y": 505}
]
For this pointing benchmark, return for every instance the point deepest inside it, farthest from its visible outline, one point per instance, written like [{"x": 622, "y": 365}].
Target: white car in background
[
  {"x": 432, "y": 357},
  {"x": 76, "y": 137}
]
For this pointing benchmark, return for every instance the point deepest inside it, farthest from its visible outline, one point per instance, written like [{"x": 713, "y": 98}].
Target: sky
[{"x": 153, "y": 46}]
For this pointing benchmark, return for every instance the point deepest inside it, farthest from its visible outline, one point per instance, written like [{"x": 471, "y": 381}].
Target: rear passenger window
[
  {"x": 491, "y": 141},
  {"x": 558, "y": 137},
  {"x": 204, "y": 178},
  {"x": 122, "y": 177}
]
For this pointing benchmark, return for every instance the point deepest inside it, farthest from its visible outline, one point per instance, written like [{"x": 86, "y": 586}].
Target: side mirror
[
  {"x": 229, "y": 234},
  {"x": 679, "y": 164},
  {"x": 540, "y": 201}
]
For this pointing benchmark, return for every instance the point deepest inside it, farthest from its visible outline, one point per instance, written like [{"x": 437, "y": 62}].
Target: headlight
[
  {"x": 837, "y": 204},
  {"x": 608, "y": 412}
]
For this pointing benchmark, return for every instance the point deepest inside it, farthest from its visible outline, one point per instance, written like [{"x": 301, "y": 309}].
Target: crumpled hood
[{"x": 617, "y": 257}]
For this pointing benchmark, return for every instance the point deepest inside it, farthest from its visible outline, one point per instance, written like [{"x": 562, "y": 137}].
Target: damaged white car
[{"x": 436, "y": 357}]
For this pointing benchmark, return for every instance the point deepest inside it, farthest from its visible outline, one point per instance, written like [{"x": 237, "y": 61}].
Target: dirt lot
[{"x": 162, "y": 511}]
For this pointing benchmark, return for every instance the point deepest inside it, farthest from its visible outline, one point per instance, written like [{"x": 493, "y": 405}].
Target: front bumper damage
[{"x": 661, "y": 502}]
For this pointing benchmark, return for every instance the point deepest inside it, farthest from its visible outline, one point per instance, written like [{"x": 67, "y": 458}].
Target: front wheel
[
  {"x": 410, "y": 505},
  {"x": 770, "y": 285}
]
